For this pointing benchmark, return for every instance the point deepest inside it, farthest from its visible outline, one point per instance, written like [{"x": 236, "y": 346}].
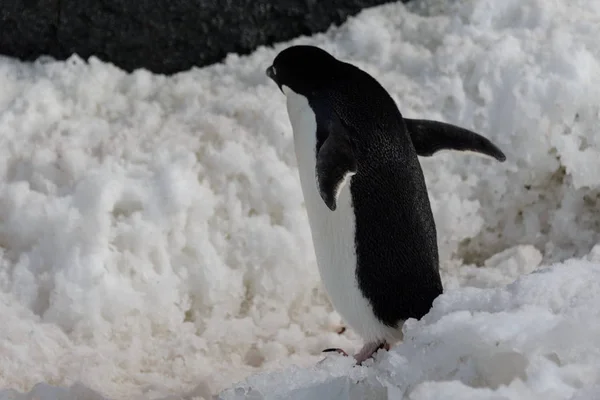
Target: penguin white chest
[{"x": 333, "y": 232}]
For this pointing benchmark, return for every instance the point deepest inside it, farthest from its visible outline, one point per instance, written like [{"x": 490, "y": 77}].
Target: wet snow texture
[{"x": 154, "y": 240}]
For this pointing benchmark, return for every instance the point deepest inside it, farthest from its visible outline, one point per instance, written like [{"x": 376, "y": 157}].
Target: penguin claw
[
  {"x": 384, "y": 345},
  {"x": 335, "y": 349}
]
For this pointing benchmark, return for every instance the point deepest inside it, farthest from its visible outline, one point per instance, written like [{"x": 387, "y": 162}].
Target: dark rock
[{"x": 163, "y": 36}]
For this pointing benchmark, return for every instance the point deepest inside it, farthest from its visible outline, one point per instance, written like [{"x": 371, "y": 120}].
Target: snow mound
[
  {"x": 536, "y": 338},
  {"x": 154, "y": 242}
]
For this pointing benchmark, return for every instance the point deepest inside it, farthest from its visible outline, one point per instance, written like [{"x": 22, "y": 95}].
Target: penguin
[{"x": 364, "y": 191}]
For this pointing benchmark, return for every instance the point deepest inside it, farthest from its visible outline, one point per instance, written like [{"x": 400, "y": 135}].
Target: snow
[
  {"x": 154, "y": 242},
  {"x": 536, "y": 338}
]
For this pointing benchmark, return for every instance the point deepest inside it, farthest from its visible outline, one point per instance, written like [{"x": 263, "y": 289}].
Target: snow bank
[
  {"x": 154, "y": 242},
  {"x": 536, "y": 338}
]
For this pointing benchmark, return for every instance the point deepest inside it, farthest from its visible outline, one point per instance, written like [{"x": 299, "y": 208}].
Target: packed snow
[{"x": 154, "y": 242}]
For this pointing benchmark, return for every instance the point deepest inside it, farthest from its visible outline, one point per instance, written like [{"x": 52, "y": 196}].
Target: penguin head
[{"x": 304, "y": 69}]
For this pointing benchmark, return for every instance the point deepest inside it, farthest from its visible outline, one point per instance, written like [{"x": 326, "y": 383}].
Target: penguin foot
[
  {"x": 365, "y": 353},
  {"x": 369, "y": 349}
]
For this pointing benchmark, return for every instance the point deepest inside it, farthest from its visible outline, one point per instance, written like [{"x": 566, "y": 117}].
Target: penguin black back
[{"x": 396, "y": 239}]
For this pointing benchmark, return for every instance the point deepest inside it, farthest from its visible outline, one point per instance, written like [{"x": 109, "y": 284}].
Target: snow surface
[{"x": 154, "y": 241}]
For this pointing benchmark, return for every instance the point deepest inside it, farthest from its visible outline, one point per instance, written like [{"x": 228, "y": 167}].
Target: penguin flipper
[
  {"x": 429, "y": 137},
  {"x": 335, "y": 162}
]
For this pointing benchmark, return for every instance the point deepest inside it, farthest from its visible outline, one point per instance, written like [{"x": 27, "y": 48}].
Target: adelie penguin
[{"x": 365, "y": 195}]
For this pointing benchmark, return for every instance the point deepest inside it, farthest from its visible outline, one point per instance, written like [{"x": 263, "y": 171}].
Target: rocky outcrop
[{"x": 163, "y": 36}]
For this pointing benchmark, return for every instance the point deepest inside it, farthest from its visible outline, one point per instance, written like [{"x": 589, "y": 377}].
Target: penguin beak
[{"x": 271, "y": 74}]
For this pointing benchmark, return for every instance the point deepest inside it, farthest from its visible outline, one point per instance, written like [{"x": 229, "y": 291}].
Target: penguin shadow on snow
[{"x": 367, "y": 203}]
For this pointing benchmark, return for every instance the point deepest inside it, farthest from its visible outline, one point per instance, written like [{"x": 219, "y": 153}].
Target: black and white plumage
[{"x": 365, "y": 195}]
